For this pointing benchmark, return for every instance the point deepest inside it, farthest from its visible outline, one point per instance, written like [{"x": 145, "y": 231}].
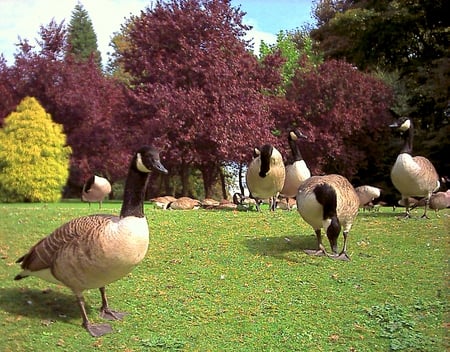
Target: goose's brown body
[
  {"x": 412, "y": 176},
  {"x": 265, "y": 174},
  {"x": 95, "y": 190},
  {"x": 337, "y": 206},
  {"x": 89, "y": 252}
]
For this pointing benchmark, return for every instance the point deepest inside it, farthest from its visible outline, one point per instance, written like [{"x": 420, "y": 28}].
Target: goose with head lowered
[
  {"x": 329, "y": 202},
  {"x": 95, "y": 189},
  {"x": 95, "y": 250},
  {"x": 412, "y": 176},
  {"x": 265, "y": 174}
]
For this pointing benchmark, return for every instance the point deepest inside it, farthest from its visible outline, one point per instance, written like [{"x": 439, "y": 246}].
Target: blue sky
[{"x": 23, "y": 18}]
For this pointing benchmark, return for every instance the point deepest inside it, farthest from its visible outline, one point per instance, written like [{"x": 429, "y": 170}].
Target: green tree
[
  {"x": 34, "y": 157},
  {"x": 81, "y": 36},
  {"x": 296, "y": 49},
  {"x": 409, "y": 37}
]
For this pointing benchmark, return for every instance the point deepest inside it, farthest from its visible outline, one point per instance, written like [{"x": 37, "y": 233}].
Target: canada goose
[
  {"x": 286, "y": 203},
  {"x": 225, "y": 204},
  {"x": 163, "y": 201},
  {"x": 95, "y": 189},
  {"x": 184, "y": 203},
  {"x": 440, "y": 200},
  {"x": 265, "y": 174},
  {"x": 209, "y": 203},
  {"x": 93, "y": 251},
  {"x": 437, "y": 201},
  {"x": 328, "y": 202},
  {"x": 297, "y": 172},
  {"x": 367, "y": 194},
  {"x": 412, "y": 176}
]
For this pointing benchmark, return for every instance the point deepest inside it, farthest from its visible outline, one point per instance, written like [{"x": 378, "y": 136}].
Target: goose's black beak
[{"x": 160, "y": 167}]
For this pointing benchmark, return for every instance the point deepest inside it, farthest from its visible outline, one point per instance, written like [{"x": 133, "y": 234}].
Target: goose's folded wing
[{"x": 41, "y": 255}]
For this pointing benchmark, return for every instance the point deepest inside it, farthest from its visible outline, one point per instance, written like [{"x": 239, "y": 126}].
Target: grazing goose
[
  {"x": 412, "y": 176},
  {"x": 95, "y": 189},
  {"x": 297, "y": 172},
  {"x": 367, "y": 194},
  {"x": 265, "y": 174},
  {"x": 329, "y": 202},
  {"x": 93, "y": 251}
]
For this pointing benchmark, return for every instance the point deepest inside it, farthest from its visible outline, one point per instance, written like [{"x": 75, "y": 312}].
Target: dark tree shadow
[
  {"x": 281, "y": 247},
  {"x": 42, "y": 304}
]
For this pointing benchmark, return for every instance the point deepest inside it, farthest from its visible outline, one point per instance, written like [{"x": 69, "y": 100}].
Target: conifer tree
[
  {"x": 34, "y": 157},
  {"x": 81, "y": 36}
]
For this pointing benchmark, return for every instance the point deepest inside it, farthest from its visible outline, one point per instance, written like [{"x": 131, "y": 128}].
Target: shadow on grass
[
  {"x": 46, "y": 305},
  {"x": 284, "y": 247}
]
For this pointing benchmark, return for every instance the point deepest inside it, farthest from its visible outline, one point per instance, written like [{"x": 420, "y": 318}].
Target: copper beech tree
[{"x": 196, "y": 86}]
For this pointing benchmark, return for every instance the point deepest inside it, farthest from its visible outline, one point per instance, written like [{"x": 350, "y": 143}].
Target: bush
[{"x": 34, "y": 158}]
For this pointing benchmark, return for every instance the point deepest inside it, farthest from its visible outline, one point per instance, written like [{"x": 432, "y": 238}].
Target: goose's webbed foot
[
  {"x": 97, "y": 330},
  {"x": 109, "y": 314}
]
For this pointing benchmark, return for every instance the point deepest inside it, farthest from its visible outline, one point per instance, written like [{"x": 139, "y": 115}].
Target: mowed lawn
[{"x": 240, "y": 281}]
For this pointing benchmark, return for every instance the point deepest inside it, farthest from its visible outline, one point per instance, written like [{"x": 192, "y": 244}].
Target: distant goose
[
  {"x": 209, "y": 203},
  {"x": 367, "y": 194},
  {"x": 412, "y": 176},
  {"x": 440, "y": 200},
  {"x": 163, "y": 201},
  {"x": 437, "y": 201},
  {"x": 184, "y": 203},
  {"x": 95, "y": 189},
  {"x": 297, "y": 172},
  {"x": 96, "y": 250},
  {"x": 265, "y": 174},
  {"x": 329, "y": 202}
]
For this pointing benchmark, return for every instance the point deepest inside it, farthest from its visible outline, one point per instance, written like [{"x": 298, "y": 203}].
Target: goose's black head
[
  {"x": 295, "y": 135},
  {"x": 147, "y": 159},
  {"x": 402, "y": 125}
]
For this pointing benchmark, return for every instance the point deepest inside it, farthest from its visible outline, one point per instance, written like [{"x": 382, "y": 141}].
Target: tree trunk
[
  {"x": 184, "y": 174},
  {"x": 223, "y": 183},
  {"x": 209, "y": 174}
]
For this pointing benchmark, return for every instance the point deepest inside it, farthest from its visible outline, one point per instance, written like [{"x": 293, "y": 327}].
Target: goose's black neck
[
  {"x": 408, "y": 141},
  {"x": 295, "y": 150},
  {"x": 134, "y": 193}
]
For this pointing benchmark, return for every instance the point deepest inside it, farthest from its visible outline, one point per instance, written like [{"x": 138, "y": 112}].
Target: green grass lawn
[{"x": 239, "y": 281}]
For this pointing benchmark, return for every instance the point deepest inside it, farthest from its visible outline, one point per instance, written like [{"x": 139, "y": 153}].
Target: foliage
[
  {"x": 195, "y": 85},
  {"x": 81, "y": 36},
  {"x": 294, "y": 48},
  {"x": 34, "y": 158},
  {"x": 406, "y": 36},
  {"x": 89, "y": 105},
  {"x": 340, "y": 108},
  {"x": 224, "y": 281}
]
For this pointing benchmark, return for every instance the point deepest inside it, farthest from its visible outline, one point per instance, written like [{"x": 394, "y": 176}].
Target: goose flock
[{"x": 93, "y": 251}]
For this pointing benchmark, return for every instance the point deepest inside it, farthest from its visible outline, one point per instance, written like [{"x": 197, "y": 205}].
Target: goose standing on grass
[
  {"x": 329, "y": 202},
  {"x": 93, "y": 251},
  {"x": 297, "y": 172},
  {"x": 412, "y": 176},
  {"x": 95, "y": 189},
  {"x": 265, "y": 174}
]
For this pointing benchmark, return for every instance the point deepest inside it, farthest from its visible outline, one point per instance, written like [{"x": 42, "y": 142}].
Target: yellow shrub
[{"x": 34, "y": 157}]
